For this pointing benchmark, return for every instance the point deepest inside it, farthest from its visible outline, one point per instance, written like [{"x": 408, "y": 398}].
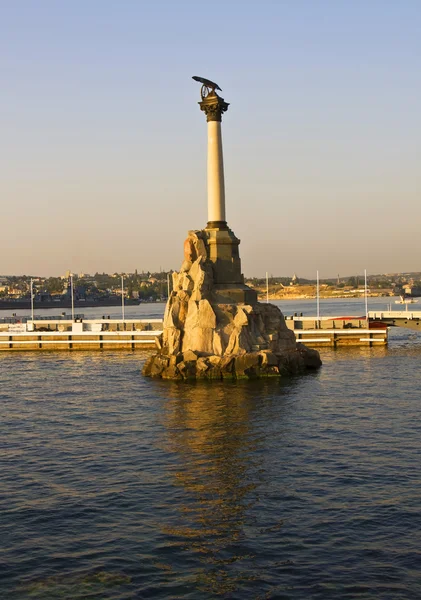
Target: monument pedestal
[
  {"x": 218, "y": 330},
  {"x": 223, "y": 254},
  {"x": 224, "y": 293}
]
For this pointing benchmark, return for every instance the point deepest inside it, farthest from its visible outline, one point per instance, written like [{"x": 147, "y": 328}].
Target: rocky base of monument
[
  {"x": 206, "y": 339},
  {"x": 250, "y": 365}
]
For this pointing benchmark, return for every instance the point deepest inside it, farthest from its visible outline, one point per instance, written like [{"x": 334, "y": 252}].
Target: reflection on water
[{"x": 216, "y": 432}]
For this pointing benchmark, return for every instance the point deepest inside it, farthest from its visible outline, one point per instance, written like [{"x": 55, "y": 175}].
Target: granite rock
[{"x": 207, "y": 340}]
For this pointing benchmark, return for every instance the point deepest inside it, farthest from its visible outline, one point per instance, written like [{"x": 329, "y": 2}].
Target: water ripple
[{"x": 116, "y": 487}]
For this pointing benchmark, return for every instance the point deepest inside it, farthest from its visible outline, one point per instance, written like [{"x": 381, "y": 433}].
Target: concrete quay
[
  {"x": 134, "y": 334},
  {"x": 80, "y": 334},
  {"x": 336, "y": 331},
  {"x": 409, "y": 319}
]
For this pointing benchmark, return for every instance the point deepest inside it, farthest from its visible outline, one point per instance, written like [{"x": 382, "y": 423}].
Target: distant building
[{"x": 411, "y": 290}]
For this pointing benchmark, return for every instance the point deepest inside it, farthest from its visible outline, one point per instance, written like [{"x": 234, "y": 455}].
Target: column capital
[{"x": 213, "y": 106}]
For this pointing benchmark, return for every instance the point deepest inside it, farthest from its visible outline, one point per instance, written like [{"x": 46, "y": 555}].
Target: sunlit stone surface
[{"x": 216, "y": 330}]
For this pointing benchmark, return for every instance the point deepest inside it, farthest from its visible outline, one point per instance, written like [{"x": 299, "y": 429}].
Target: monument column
[
  {"x": 221, "y": 242},
  {"x": 214, "y": 327},
  {"x": 214, "y": 106},
  {"x": 216, "y": 183}
]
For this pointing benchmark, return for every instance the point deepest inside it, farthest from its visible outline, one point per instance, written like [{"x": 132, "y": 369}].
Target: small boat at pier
[{"x": 403, "y": 300}]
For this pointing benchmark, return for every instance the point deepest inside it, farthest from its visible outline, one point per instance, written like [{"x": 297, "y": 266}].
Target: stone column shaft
[
  {"x": 216, "y": 183},
  {"x": 214, "y": 106}
]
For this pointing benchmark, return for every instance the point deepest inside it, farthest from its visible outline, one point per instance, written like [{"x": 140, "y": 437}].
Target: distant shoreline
[
  {"x": 26, "y": 305},
  {"x": 262, "y": 296}
]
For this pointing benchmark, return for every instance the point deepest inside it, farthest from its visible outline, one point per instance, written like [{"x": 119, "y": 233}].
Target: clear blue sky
[{"x": 103, "y": 145}]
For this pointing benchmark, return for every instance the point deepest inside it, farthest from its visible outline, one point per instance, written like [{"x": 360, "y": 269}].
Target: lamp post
[
  {"x": 318, "y": 297},
  {"x": 71, "y": 294},
  {"x": 122, "y": 297},
  {"x": 366, "y": 294},
  {"x": 32, "y": 299}
]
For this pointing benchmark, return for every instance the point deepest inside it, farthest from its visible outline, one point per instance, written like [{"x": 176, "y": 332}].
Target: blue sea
[{"x": 117, "y": 487}]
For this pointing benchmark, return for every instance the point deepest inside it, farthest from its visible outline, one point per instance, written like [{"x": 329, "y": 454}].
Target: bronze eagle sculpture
[{"x": 207, "y": 83}]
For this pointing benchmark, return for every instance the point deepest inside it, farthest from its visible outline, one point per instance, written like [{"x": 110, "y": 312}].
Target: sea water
[{"x": 118, "y": 487}]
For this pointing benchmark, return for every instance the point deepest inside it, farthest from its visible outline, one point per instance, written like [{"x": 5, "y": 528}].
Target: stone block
[
  {"x": 175, "y": 312},
  {"x": 172, "y": 340},
  {"x": 223, "y": 252},
  {"x": 240, "y": 318},
  {"x": 147, "y": 367},
  {"x": 175, "y": 282},
  {"x": 189, "y": 251},
  {"x": 200, "y": 248},
  {"x": 189, "y": 355},
  {"x": 245, "y": 340},
  {"x": 199, "y": 340},
  {"x": 186, "y": 282},
  {"x": 202, "y": 366},
  {"x": 191, "y": 318},
  {"x": 225, "y": 314},
  {"x": 248, "y": 365},
  {"x": 310, "y": 356},
  {"x": 227, "y": 366},
  {"x": 217, "y": 344},
  {"x": 187, "y": 369},
  {"x": 206, "y": 317},
  {"x": 155, "y": 365},
  {"x": 215, "y": 361},
  {"x": 233, "y": 343},
  {"x": 171, "y": 372},
  {"x": 197, "y": 274},
  {"x": 269, "y": 358},
  {"x": 233, "y": 294},
  {"x": 200, "y": 314}
]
